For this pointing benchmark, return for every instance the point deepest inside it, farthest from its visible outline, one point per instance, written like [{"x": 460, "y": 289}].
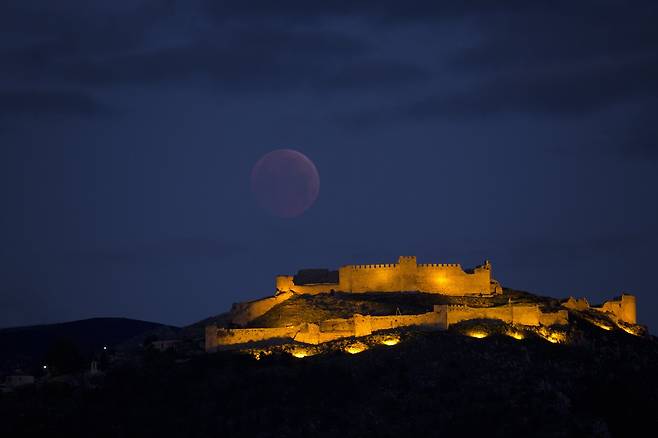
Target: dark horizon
[{"x": 521, "y": 133}]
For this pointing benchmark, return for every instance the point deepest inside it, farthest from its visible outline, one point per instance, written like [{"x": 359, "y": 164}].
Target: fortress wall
[
  {"x": 445, "y": 278},
  {"x": 369, "y": 278},
  {"x": 314, "y": 289},
  {"x": 514, "y": 314},
  {"x": 243, "y": 336},
  {"x": 576, "y": 303},
  {"x": 285, "y": 283},
  {"x": 561, "y": 317},
  {"x": 333, "y": 325},
  {"x": 245, "y": 312},
  {"x": 623, "y": 308},
  {"x": 406, "y": 275},
  {"x": 457, "y": 314},
  {"x": 211, "y": 337},
  {"x": 432, "y": 319},
  {"x": 450, "y": 279},
  {"x": 308, "y": 334},
  {"x": 525, "y": 315}
]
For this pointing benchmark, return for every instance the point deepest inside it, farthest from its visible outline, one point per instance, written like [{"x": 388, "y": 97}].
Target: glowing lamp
[
  {"x": 391, "y": 341},
  {"x": 516, "y": 335},
  {"x": 300, "y": 353},
  {"x": 477, "y": 334},
  {"x": 356, "y": 348}
]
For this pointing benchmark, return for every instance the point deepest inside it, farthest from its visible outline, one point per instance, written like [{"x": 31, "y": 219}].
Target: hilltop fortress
[
  {"x": 406, "y": 275},
  {"x": 481, "y": 292}
]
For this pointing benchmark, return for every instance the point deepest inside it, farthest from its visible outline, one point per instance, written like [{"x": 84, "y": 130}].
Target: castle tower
[
  {"x": 628, "y": 308},
  {"x": 407, "y": 271}
]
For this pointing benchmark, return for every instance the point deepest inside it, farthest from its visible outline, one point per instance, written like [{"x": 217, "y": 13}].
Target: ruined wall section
[
  {"x": 362, "y": 325},
  {"x": 623, "y": 308},
  {"x": 285, "y": 283},
  {"x": 241, "y": 336},
  {"x": 561, "y": 317},
  {"x": 529, "y": 315},
  {"x": 428, "y": 320},
  {"x": 242, "y": 313}
]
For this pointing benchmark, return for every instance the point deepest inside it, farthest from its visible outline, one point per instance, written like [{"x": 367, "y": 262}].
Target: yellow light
[
  {"x": 256, "y": 355},
  {"x": 355, "y": 348},
  {"x": 600, "y": 324},
  {"x": 391, "y": 340},
  {"x": 551, "y": 336},
  {"x": 631, "y": 330},
  {"x": 477, "y": 334},
  {"x": 300, "y": 353},
  {"x": 516, "y": 335}
]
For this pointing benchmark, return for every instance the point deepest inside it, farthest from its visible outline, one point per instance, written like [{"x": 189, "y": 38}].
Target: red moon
[{"x": 285, "y": 182}]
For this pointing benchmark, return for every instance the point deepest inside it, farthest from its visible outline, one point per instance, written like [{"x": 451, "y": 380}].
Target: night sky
[{"x": 524, "y": 133}]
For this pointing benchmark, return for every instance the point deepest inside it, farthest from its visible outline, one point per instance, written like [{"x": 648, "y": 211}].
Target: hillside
[
  {"x": 600, "y": 383},
  {"x": 304, "y": 308},
  {"x": 25, "y": 346}
]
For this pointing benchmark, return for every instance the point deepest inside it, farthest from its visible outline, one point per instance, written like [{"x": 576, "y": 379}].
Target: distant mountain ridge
[{"x": 28, "y": 344}]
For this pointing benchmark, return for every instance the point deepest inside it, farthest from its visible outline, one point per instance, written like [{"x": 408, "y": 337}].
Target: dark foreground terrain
[{"x": 603, "y": 383}]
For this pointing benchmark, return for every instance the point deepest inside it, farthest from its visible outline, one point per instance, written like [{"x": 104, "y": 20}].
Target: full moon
[{"x": 285, "y": 182}]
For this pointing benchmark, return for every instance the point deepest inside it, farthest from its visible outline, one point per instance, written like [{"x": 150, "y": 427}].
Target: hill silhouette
[
  {"x": 25, "y": 346},
  {"x": 603, "y": 383}
]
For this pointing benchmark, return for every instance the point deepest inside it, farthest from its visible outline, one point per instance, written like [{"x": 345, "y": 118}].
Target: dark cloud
[
  {"x": 374, "y": 74},
  {"x": 636, "y": 138},
  {"x": 386, "y": 11},
  {"x": 563, "y": 58},
  {"x": 568, "y": 91},
  {"x": 38, "y": 103},
  {"x": 160, "y": 252},
  {"x": 569, "y": 250}
]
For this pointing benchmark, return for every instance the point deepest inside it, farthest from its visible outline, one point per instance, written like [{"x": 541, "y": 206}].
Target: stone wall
[
  {"x": 522, "y": 314},
  {"x": 623, "y": 308},
  {"x": 406, "y": 275},
  {"x": 242, "y": 313},
  {"x": 329, "y": 330},
  {"x": 243, "y": 336}
]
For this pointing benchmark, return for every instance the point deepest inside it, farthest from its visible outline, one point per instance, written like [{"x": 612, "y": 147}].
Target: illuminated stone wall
[
  {"x": 515, "y": 314},
  {"x": 623, "y": 308},
  {"x": 242, "y": 336},
  {"x": 242, "y": 313},
  {"x": 406, "y": 275},
  {"x": 362, "y": 325},
  {"x": 325, "y": 331}
]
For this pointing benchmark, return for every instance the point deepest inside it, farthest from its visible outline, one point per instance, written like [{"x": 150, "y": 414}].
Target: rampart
[
  {"x": 522, "y": 314},
  {"x": 362, "y": 325},
  {"x": 406, "y": 275},
  {"x": 324, "y": 331},
  {"x": 242, "y": 313},
  {"x": 622, "y": 308}
]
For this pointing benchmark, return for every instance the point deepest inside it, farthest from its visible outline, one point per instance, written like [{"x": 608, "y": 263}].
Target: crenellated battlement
[
  {"x": 406, "y": 275},
  {"x": 378, "y": 266}
]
